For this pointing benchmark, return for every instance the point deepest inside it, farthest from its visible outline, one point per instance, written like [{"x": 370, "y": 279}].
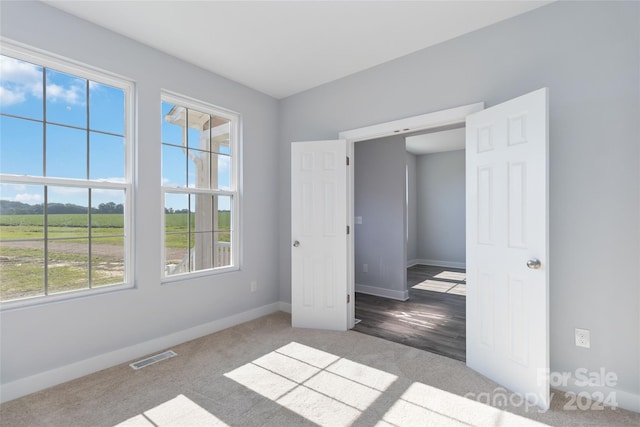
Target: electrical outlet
[
  {"x": 583, "y": 338},
  {"x": 254, "y": 286},
  {"x": 365, "y": 268}
]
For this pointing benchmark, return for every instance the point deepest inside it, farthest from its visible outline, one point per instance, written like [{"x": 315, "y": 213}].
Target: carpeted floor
[{"x": 265, "y": 373}]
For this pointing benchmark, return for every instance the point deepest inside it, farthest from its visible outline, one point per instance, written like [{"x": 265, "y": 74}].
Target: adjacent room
[{"x": 423, "y": 307}]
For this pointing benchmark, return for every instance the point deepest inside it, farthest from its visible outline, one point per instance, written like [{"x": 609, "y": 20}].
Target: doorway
[{"x": 410, "y": 277}]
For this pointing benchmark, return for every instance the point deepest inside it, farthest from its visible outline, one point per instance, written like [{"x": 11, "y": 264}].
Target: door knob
[
  {"x": 534, "y": 264},
  {"x": 296, "y": 244}
]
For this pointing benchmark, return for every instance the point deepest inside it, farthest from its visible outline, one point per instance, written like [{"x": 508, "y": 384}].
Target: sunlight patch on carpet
[
  {"x": 425, "y": 405},
  {"x": 180, "y": 411},
  {"x": 319, "y": 386}
]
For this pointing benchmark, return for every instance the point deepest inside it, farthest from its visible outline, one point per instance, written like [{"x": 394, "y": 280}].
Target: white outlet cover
[{"x": 583, "y": 338}]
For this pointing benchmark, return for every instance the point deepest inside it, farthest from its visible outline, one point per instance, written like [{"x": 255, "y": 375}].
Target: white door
[
  {"x": 319, "y": 240},
  {"x": 507, "y": 249}
]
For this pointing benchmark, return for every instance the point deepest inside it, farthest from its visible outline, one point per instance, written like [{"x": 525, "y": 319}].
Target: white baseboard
[
  {"x": 284, "y": 306},
  {"x": 625, "y": 400},
  {"x": 437, "y": 263},
  {"x": 383, "y": 292},
  {"x": 41, "y": 381}
]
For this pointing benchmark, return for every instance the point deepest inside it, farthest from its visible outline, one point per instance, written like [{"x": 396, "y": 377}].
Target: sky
[{"x": 65, "y": 98}]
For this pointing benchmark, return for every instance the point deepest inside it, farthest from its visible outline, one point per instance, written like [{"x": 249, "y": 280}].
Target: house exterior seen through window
[
  {"x": 199, "y": 182},
  {"x": 65, "y": 178}
]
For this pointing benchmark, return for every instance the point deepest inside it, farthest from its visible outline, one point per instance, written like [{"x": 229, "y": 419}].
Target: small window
[
  {"x": 65, "y": 179},
  {"x": 199, "y": 185}
]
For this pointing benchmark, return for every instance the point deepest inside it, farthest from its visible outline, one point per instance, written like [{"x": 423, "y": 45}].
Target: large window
[
  {"x": 199, "y": 183},
  {"x": 65, "y": 178}
]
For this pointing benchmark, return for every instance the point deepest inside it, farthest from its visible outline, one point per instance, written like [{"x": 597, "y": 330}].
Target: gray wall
[
  {"x": 379, "y": 187},
  {"x": 412, "y": 208},
  {"x": 51, "y": 336},
  {"x": 587, "y": 53},
  {"x": 441, "y": 207}
]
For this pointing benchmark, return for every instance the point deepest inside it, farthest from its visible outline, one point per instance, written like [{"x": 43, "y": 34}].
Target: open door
[
  {"x": 507, "y": 245},
  {"x": 320, "y": 241}
]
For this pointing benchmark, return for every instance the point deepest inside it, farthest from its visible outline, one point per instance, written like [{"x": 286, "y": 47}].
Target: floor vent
[{"x": 153, "y": 359}]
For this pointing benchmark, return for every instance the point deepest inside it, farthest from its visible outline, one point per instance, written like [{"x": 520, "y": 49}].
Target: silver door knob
[
  {"x": 296, "y": 244},
  {"x": 534, "y": 264}
]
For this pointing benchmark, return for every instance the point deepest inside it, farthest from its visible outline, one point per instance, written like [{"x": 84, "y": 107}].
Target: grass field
[{"x": 22, "y": 250}]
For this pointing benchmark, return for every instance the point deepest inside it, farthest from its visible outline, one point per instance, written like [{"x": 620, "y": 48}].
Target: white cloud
[
  {"x": 9, "y": 97},
  {"x": 72, "y": 94},
  {"x": 19, "y": 78},
  {"x": 28, "y": 198},
  {"x": 19, "y": 72}
]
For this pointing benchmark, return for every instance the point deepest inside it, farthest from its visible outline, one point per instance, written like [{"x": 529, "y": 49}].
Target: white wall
[
  {"x": 441, "y": 208},
  {"x": 412, "y": 208},
  {"x": 588, "y": 55},
  {"x": 379, "y": 187},
  {"x": 39, "y": 344}
]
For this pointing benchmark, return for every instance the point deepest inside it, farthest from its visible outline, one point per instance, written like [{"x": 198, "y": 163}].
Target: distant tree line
[
  {"x": 8, "y": 207},
  {"x": 175, "y": 211}
]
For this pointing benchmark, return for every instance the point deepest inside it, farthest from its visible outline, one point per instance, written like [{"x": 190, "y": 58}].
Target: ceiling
[
  {"x": 436, "y": 142},
  {"x": 282, "y": 48}
]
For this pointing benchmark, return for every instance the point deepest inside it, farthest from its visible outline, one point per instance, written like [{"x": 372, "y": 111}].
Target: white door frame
[{"x": 452, "y": 116}]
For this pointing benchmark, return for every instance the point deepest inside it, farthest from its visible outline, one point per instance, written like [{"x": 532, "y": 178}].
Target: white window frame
[
  {"x": 58, "y": 63},
  {"x": 235, "y": 144}
]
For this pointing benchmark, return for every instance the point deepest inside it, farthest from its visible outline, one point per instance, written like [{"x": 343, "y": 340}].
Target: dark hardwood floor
[{"x": 433, "y": 319}]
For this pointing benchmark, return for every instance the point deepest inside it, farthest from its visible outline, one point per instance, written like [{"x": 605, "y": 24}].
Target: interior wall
[
  {"x": 587, "y": 54},
  {"x": 48, "y": 337},
  {"x": 379, "y": 199},
  {"x": 441, "y": 208},
  {"x": 412, "y": 209}
]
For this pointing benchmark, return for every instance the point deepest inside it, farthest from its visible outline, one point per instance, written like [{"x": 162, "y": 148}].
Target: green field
[
  {"x": 109, "y": 226},
  {"x": 22, "y": 250}
]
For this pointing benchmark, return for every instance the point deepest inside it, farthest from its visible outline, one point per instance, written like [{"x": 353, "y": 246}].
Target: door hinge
[
  {"x": 348, "y": 298},
  {"x": 347, "y": 160},
  {"x": 348, "y": 229}
]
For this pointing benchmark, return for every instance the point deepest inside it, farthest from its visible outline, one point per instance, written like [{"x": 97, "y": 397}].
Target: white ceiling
[
  {"x": 282, "y": 48},
  {"x": 436, "y": 142}
]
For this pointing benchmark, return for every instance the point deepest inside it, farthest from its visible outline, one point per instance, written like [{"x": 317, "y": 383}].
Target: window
[
  {"x": 200, "y": 186},
  {"x": 65, "y": 179}
]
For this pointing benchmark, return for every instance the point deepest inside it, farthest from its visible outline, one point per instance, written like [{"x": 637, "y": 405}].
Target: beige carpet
[{"x": 266, "y": 373}]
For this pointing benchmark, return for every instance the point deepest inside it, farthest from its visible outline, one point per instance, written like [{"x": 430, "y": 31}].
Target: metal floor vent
[{"x": 152, "y": 359}]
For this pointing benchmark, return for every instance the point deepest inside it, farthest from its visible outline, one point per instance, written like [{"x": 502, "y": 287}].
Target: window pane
[
  {"x": 172, "y": 124},
  {"x": 67, "y": 212},
  {"x": 21, "y": 88},
  {"x": 201, "y": 212},
  {"x": 222, "y": 249},
  {"x": 106, "y": 108},
  {"x": 21, "y": 211},
  {"x": 66, "y": 97},
  {"x": 176, "y": 253},
  {"x": 224, "y": 213},
  {"x": 68, "y": 265},
  {"x": 202, "y": 251},
  {"x": 199, "y": 169},
  {"x": 107, "y": 212},
  {"x": 107, "y": 261},
  {"x": 220, "y": 135},
  {"x": 174, "y": 167},
  {"x": 198, "y": 133},
  {"x": 106, "y": 156},
  {"x": 21, "y": 269},
  {"x": 220, "y": 171},
  {"x": 66, "y": 152},
  {"x": 20, "y": 146},
  {"x": 176, "y": 209}
]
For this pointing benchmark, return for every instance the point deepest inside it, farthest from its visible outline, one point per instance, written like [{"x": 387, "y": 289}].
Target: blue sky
[{"x": 65, "y": 98}]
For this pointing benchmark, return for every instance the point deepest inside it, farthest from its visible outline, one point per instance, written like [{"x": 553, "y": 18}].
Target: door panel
[
  {"x": 319, "y": 255},
  {"x": 507, "y": 225}
]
